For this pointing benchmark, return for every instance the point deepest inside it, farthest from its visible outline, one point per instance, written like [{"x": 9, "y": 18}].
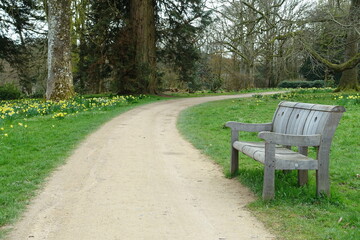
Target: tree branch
[{"x": 351, "y": 63}]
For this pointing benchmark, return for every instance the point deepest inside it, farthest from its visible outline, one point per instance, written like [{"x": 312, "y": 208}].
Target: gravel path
[{"x": 137, "y": 178}]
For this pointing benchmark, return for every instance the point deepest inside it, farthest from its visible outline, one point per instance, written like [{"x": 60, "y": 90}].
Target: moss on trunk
[
  {"x": 60, "y": 80},
  {"x": 349, "y": 77}
]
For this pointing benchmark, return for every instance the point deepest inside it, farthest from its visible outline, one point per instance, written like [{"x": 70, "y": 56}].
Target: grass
[
  {"x": 296, "y": 213},
  {"x": 32, "y": 147}
]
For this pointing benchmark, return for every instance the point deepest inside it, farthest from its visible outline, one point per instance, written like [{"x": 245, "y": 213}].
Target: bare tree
[
  {"x": 248, "y": 32},
  {"x": 349, "y": 78},
  {"x": 341, "y": 35}
]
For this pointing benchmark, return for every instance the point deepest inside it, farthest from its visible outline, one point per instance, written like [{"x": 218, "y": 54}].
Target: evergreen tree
[
  {"x": 18, "y": 34},
  {"x": 121, "y": 40},
  {"x": 179, "y": 32}
]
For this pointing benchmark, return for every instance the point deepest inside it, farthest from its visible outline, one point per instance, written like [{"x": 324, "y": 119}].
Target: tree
[
  {"x": 180, "y": 31},
  {"x": 349, "y": 78},
  {"x": 120, "y": 42},
  {"x": 96, "y": 30},
  {"x": 247, "y": 32},
  {"x": 142, "y": 25},
  {"x": 60, "y": 80},
  {"x": 20, "y": 35},
  {"x": 347, "y": 38}
]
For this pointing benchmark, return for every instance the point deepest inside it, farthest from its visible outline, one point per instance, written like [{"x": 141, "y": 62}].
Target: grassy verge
[
  {"x": 296, "y": 213},
  {"x": 30, "y": 148}
]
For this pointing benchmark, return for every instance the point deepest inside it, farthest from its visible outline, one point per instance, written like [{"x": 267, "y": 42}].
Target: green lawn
[
  {"x": 296, "y": 213},
  {"x": 32, "y": 147}
]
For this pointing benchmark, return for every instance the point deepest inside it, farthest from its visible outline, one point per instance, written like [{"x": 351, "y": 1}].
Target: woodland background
[{"x": 134, "y": 46}]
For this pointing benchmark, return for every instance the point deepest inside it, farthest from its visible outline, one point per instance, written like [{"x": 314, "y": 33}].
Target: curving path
[{"x": 137, "y": 178}]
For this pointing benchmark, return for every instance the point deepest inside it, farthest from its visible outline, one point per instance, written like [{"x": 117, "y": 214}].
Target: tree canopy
[{"x": 133, "y": 46}]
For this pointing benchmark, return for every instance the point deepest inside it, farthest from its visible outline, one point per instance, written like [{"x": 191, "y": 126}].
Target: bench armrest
[
  {"x": 291, "y": 140},
  {"x": 249, "y": 127}
]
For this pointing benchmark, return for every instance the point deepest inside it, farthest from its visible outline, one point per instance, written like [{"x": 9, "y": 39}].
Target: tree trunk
[
  {"x": 142, "y": 17},
  {"x": 251, "y": 76},
  {"x": 349, "y": 77},
  {"x": 269, "y": 76},
  {"x": 79, "y": 31},
  {"x": 60, "y": 80}
]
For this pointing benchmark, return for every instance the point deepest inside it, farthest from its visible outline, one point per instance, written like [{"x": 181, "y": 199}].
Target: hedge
[
  {"x": 302, "y": 84},
  {"x": 9, "y": 92}
]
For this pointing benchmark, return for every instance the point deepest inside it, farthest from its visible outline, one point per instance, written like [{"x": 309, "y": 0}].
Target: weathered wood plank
[
  {"x": 269, "y": 172},
  {"x": 234, "y": 167},
  {"x": 316, "y": 123},
  {"x": 310, "y": 106},
  {"x": 297, "y": 121},
  {"x": 290, "y": 139},
  {"x": 249, "y": 127},
  {"x": 296, "y": 164},
  {"x": 322, "y": 174},
  {"x": 281, "y": 119},
  {"x": 285, "y": 159},
  {"x": 303, "y": 175}
]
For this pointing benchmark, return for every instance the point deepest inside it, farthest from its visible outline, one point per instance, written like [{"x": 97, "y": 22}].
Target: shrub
[
  {"x": 302, "y": 84},
  {"x": 9, "y": 92},
  {"x": 330, "y": 83},
  {"x": 215, "y": 84},
  {"x": 37, "y": 94},
  {"x": 318, "y": 84}
]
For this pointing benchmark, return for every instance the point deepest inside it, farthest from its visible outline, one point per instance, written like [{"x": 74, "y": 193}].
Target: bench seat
[{"x": 285, "y": 158}]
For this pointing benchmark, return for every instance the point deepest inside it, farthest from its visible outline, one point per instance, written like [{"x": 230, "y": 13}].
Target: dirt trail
[{"x": 137, "y": 178}]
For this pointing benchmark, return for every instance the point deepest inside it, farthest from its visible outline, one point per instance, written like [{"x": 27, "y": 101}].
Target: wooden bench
[{"x": 294, "y": 124}]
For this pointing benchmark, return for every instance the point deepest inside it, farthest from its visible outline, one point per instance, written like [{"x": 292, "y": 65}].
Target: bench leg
[
  {"x": 269, "y": 183},
  {"x": 303, "y": 175},
  {"x": 285, "y": 172},
  {"x": 234, "y": 167},
  {"x": 322, "y": 182},
  {"x": 269, "y": 172},
  {"x": 234, "y": 164},
  {"x": 322, "y": 174}
]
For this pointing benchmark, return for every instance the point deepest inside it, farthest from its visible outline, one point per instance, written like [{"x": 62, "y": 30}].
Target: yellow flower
[
  {"x": 20, "y": 124},
  {"x": 26, "y": 126},
  {"x": 11, "y": 126},
  {"x": 2, "y": 129},
  {"x": 6, "y": 135}
]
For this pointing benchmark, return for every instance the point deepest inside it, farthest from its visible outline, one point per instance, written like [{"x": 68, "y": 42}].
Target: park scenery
[{"x": 113, "y": 118}]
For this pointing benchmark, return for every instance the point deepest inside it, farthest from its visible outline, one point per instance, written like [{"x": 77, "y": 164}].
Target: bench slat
[
  {"x": 315, "y": 107},
  {"x": 281, "y": 119},
  {"x": 316, "y": 123},
  {"x": 297, "y": 121},
  {"x": 284, "y": 158}
]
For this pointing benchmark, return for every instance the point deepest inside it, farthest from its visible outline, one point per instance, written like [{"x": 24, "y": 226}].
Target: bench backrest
[{"x": 307, "y": 119}]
